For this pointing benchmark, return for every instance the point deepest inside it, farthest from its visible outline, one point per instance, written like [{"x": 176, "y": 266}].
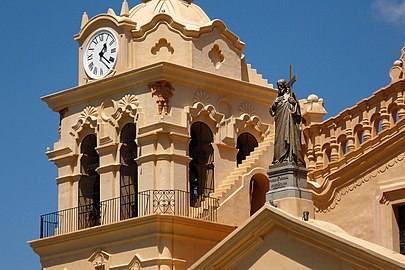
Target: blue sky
[{"x": 341, "y": 50}]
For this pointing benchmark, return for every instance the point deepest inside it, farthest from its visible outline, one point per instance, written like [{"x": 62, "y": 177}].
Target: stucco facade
[{"x": 201, "y": 141}]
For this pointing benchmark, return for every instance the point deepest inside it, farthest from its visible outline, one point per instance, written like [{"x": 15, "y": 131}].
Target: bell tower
[{"x": 149, "y": 141}]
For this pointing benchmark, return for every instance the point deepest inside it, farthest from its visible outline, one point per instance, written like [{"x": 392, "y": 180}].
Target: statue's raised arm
[{"x": 287, "y": 118}]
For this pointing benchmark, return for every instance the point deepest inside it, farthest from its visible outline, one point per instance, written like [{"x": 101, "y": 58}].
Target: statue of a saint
[{"x": 287, "y": 117}]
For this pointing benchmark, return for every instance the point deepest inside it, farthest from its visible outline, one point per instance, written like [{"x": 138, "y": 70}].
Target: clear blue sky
[{"x": 342, "y": 51}]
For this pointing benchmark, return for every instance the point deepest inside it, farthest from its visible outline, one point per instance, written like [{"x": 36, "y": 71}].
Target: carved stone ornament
[
  {"x": 201, "y": 96},
  {"x": 162, "y": 43},
  {"x": 127, "y": 105},
  {"x": 99, "y": 260},
  {"x": 163, "y": 90},
  {"x": 247, "y": 108},
  {"x": 199, "y": 111},
  {"x": 338, "y": 192},
  {"x": 216, "y": 56},
  {"x": 246, "y": 121},
  {"x": 88, "y": 117}
]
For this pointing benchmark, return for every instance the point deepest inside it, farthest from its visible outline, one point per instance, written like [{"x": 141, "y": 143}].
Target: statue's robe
[{"x": 287, "y": 117}]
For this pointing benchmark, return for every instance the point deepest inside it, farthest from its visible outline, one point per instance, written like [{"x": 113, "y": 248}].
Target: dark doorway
[{"x": 259, "y": 186}]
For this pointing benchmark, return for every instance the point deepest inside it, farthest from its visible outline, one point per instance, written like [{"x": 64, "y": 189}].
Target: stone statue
[{"x": 287, "y": 117}]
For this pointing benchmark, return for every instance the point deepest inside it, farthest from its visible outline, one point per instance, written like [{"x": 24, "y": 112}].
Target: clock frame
[{"x": 100, "y": 54}]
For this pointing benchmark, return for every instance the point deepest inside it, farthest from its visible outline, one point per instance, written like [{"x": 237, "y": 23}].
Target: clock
[{"x": 100, "y": 55}]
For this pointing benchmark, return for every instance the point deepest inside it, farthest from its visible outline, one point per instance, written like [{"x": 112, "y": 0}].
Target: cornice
[
  {"x": 158, "y": 71},
  {"x": 130, "y": 230}
]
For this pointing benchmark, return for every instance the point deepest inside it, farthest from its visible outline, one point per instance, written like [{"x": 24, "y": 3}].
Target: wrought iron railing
[
  {"x": 150, "y": 202},
  {"x": 402, "y": 242}
]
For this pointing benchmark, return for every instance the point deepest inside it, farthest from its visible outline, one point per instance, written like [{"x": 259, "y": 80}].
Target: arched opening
[
  {"x": 201, "y": 167},
  {"x": 246, "y": 144},
  {"x": 259, "y": 186},
  {"x": 89, "y": 184},
  {"x": 128, "y": 173}
]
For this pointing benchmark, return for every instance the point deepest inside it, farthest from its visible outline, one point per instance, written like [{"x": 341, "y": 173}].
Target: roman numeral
[
  {"x": 95, "y": 41},
  {"x": 90, "y": 57},
  {"x": 101, "y": 71},
  {"x": 95, "y": 71},
  {"x": 91, "y": 66},
  {"x": 113, "y": 50},
  {"x": 112, "y": 59},
  {"x": 101, "y": 37},
  {"x": 112, "y": 42}
]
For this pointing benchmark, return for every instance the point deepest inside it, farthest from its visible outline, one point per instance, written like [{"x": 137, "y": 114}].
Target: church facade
[{"x": 164, "y": 150}]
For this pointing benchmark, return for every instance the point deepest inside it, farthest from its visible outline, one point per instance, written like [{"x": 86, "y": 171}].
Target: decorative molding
[
  {"x": 162, "y": 43},
  {"x": 164, "y": 91},
  {"x": 99, "y": 260},
  {"x": 245, "y": 121},
  {"x": 346, "y": 188},
  {"x": 247, "y": 108},
  {"x": 87, "y": 118},
  {"x": 216, "y": 56},
  {"x": 128, "y": 105},
  {"x": 199, "y": 110},
  {"x": 201, "y": 96}
]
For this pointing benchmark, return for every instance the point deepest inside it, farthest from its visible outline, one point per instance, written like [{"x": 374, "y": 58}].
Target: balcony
[{"x": 150, "y": 202}]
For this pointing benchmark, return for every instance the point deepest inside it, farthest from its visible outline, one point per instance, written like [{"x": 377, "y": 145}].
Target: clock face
[{"x": 100, "y": 56}]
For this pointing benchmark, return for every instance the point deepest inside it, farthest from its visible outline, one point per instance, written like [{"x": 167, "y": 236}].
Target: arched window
[
  {"x": 246, "y": 144},
  {"x": 201, "y": 168},
  {"x": 89, "y": 184},
  {"x": 129, "y": 173}
]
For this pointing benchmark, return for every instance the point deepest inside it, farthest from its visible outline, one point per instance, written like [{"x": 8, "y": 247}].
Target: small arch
[
  {"x": 201, "y": 167},
  {"x": 327, "y": 151},
  {"x": 128, "y": 172},
  {"x": 343, "y": 145},
  {"x": 246, "y": 143},
  {"x": 259, "y": 186},
  {"x": 359, "y": 135},
  {"x": 376, "y": 124},
  {"x": 89, "y": 184}
]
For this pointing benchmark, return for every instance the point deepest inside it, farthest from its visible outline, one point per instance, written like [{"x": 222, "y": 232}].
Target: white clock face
[{"x": 100, "y": 56}]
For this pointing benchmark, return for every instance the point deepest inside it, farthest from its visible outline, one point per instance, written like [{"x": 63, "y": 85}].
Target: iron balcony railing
[{"x": 169, "y": 202}]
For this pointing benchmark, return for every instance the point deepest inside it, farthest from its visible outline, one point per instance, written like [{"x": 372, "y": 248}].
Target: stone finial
[
  {"x": 164, "y": 91},
  {"x": 124, "y": 9},
  {"x": 312, "y": 109},
  {"x": 85, "y": 20},
  {"x": 397, "y": 71}
]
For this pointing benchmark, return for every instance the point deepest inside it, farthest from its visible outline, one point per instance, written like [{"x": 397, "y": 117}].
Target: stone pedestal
[{"x": 287, "y": 181}]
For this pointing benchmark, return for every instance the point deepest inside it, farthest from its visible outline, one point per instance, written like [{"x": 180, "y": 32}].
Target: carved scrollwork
[
  {"x": 87, "y": 118},
  {"x": 246, "y": 121},
  {"x": 127, "y": 105},
  {"x": 199, "y": 110}
]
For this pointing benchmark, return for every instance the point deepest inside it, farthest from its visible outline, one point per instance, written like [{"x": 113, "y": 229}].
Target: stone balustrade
[{"x": 333, "y": 143}]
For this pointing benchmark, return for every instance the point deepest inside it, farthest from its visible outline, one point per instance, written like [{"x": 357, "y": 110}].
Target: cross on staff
[{"x": 293, "y": 79}]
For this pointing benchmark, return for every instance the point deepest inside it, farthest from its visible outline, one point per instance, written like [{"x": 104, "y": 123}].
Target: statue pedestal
[{"x": 288, "y": 189}]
